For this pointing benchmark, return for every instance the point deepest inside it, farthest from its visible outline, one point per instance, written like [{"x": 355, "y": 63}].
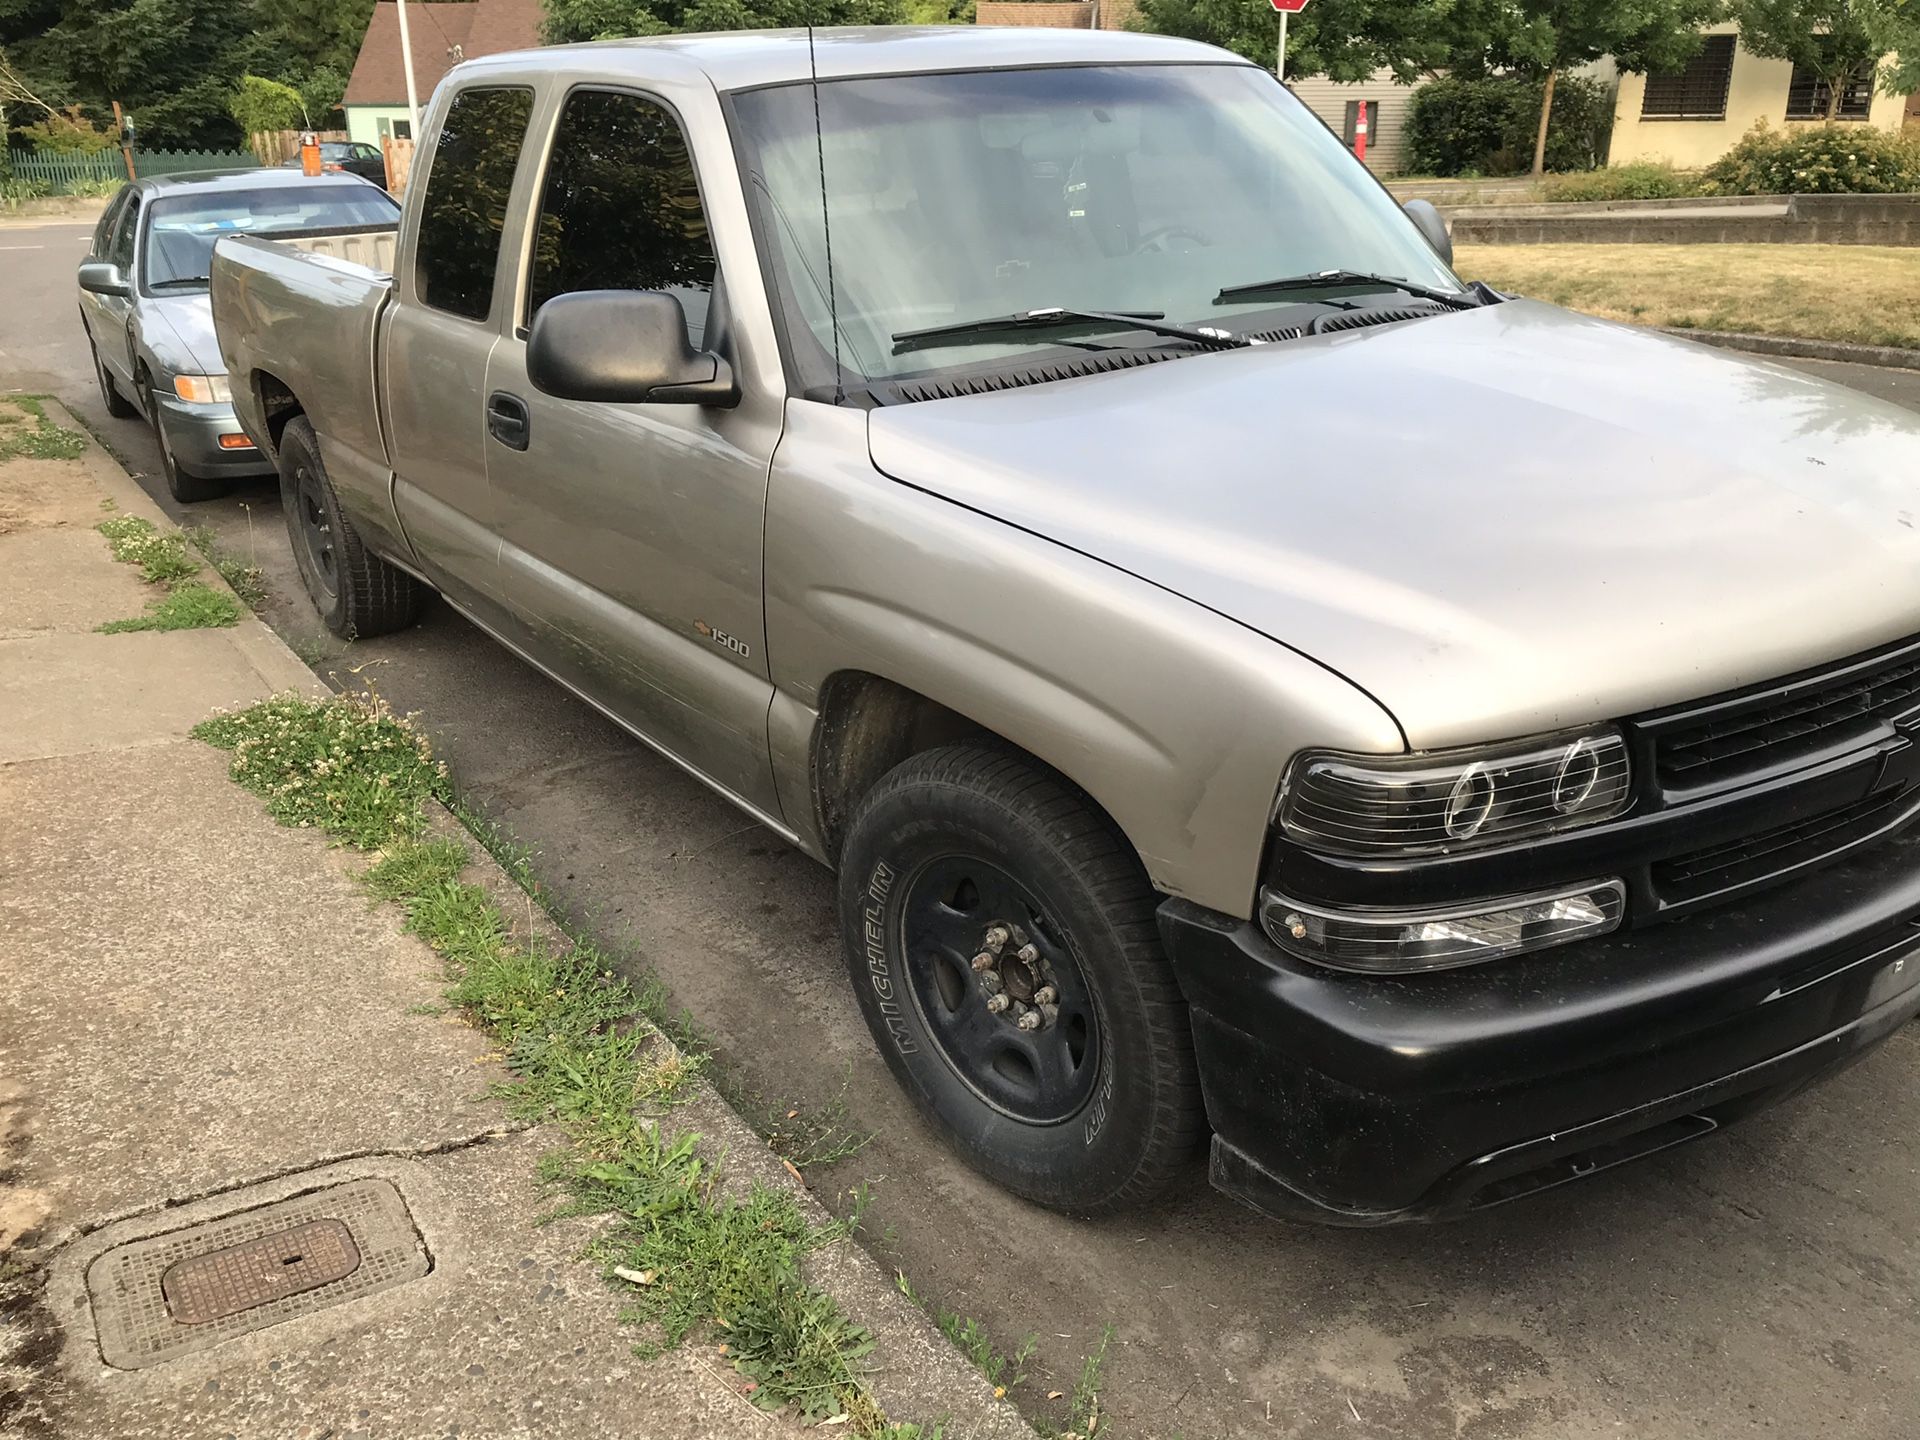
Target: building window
[
  {"x": 1808, "y": 94},
  {"x": 1698, "y": 92},
  {"x": 1373, "y": 123}
]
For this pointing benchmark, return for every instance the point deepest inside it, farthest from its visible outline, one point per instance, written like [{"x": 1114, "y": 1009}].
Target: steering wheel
[{"x": 1157, "y": 239}]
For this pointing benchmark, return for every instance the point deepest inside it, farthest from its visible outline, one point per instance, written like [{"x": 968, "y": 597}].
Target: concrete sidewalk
[{"x": 209, "y": 1036}]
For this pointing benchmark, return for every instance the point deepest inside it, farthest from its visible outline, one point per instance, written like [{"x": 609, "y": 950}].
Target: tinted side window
[
  {"x": 103, "y": 232},
  {"x": 120, "y": 248},
  {"x": 465, "y": 207},
  {"x": 621, "y": 208}
]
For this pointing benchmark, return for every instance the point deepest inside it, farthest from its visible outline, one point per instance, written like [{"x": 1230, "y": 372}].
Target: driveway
[{"x": 1764, "y": 1281}]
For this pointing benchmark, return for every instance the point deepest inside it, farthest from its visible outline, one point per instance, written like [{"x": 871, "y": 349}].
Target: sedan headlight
[
  {"x": 203, "y": 389},
  {"x": 1442, "y": 802}
]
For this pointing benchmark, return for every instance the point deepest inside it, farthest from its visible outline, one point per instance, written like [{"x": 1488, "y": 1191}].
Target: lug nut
[
  {"x": 1045, "y": 995},
  {"x": 983, "y": 961},
  {"x": 1029, "y": 955},
  {"x": 997, "y": 937},
  {"x": 1029, "y": 1021},
  {"x": 997, "y": 1003}
]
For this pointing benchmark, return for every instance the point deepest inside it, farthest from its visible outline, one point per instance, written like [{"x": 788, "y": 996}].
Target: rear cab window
[
  {"x": 464, "y": 211},
  {"x": 620, "y": 208}
]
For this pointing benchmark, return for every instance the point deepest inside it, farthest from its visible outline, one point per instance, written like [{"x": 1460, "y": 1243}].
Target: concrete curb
[
  {"x": 1886, "y": 356},
  {"x": 265, "y": 651},
  {"x": 919, "y": 1375}
]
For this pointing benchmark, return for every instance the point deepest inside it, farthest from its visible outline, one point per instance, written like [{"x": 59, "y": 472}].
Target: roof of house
[{"x": 442, "y": 35}]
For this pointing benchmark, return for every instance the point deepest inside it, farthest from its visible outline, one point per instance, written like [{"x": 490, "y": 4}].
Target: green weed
[
  {"x": 1085, "y": 1403},
  {"x": 161, "y": 555},
  {"x": 189, "y": 605},
  {"x": 245, "y": 577},
  {"x": 345, "y": 764},
  {"x": 44, "y": 440}
]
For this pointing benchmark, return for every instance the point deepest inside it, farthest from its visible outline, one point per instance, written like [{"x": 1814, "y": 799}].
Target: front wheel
[
  {"x": 357, "y": 593},
  {"x": 1000, "y": 934},
  {"x": 182, "y": 484},
  {"x": 118, "y": 406}
]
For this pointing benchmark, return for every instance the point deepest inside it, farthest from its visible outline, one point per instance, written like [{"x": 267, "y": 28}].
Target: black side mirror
[
  {"x": 1433, "y": 226},
  {"x": 97, "y": 277},
  {"x": 624, "y": 347}
]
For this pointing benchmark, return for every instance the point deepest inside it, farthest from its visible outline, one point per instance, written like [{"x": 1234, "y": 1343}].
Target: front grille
[
  {"x": 1774, "y": 852},
  {"x": 1771, "y": 725}
]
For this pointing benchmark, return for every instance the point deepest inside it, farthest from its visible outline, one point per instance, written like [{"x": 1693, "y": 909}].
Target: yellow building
[{"x": 1694, "y": 117}]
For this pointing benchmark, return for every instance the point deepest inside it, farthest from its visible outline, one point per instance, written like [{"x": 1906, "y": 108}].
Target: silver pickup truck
[{"x": 1257, "y": 689}]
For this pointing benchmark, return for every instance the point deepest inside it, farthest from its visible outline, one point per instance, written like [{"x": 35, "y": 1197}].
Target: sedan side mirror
[
  {"x": 624, "y": 347},
  {"x": 1433, "y": 226},
  {"x": 97, "y": 277}
]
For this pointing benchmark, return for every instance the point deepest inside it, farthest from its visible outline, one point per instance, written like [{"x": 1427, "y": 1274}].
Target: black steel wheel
[
  {"x": 1001, "y": 938},
  {"x": 356, "y": 592},
  {"x": 999, "y": 990}
]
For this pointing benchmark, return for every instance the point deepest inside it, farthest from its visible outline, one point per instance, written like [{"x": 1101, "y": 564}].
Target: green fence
[{"x": 62, "y": 172}]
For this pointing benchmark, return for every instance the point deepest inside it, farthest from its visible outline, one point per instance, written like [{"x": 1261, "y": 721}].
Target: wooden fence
[
  {"x": 63, "y": 171},
  {"x": 276, "y": 147}
]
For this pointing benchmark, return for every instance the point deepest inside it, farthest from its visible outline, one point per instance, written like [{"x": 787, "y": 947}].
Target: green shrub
[
  {"x": 1488, "y": 125},
  {"x": 1817, "y": 160},
  {"x": 1642, "y": 180}
]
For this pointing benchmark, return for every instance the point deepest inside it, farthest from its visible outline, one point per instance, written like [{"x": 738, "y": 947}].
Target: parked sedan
[
  {"x": 355, "y": 157},
  {"x": 143, "y": 299}
]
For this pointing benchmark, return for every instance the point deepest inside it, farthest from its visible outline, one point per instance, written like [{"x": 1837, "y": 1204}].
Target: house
[
  {"x": 1694, "y": 116},
  {"x": 442, "y": 35},
  {"x": 1388, "y": 103}
]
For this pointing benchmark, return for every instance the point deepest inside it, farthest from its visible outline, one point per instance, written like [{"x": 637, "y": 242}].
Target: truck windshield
[
  {"x": 1145, "y": 189},
  {"x": 183, "y": 229}
]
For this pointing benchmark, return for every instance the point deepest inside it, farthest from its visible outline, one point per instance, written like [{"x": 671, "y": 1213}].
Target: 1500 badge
[{"x": 720, "y": 637}]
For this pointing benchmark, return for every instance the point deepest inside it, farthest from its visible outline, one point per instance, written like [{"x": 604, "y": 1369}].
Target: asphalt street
[{"x": 1762, "y": 1282}]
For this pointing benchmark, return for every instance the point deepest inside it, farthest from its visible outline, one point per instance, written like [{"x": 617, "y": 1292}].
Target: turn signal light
[{"x": 235, "y": 442}]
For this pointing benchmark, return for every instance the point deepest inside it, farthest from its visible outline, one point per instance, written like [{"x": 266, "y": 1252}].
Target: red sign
[{"x": 1289, "y": 7}]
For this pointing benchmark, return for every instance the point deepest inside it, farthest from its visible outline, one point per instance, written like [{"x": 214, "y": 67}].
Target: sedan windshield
[
  {"x": 182, "y": 229},
  {"x": 1138, "y": 189}
]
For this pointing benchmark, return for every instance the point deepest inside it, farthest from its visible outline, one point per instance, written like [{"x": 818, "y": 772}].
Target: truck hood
[
  {"x": 1496, "y": 522},
  {"x": 187, "y": 344}
]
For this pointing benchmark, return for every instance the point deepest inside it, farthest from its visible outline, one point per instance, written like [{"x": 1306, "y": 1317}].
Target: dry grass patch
[{"x": 1869, "y": 294}]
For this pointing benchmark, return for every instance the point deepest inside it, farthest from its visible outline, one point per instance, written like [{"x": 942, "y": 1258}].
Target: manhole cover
[
  {"x": 211, "y": 1287},
  {"x": 174, "y": 1294}
]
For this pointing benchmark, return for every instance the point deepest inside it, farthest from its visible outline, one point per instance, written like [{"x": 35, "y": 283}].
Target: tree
[
  {"x": 1838, "y": 40},
  {"x": 260, "y": 104},
  {"x": 321, "y": 33},
  {"x": 1343, "y": 39},
  {"x": 571, "y": 20},
  {"x": 1547, "y": 37}
]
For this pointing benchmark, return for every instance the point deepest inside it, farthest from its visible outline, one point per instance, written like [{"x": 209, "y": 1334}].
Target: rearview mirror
[
  {"x": 97, "y": 277},
  {"x": 1433, "y": 225},
  {"x": 624, "y": 347}
]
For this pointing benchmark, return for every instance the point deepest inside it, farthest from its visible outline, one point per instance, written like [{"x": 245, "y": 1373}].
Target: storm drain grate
[{"x": 172, "y": 1295}]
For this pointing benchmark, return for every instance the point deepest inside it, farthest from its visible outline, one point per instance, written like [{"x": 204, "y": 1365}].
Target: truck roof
[{"x": 744, "y": 59}]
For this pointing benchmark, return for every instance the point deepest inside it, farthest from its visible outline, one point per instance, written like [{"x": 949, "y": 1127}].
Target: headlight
[
  {"x": 1454, "y": 800},
  {"x": 1441, "y": 937},
  {"x": 203, "y": 389}
]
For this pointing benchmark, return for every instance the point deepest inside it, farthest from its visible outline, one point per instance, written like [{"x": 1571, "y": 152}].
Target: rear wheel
[
  {"x": 356, "y": 592},
  {"x": 1001, "y": 939}
]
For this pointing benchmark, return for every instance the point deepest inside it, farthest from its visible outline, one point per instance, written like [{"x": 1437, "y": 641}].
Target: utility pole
[
  {"x": 406, "y": 60},
  {"x": 123, "y": 132}
]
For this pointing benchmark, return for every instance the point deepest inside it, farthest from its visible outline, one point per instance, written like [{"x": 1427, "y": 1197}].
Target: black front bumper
[{"x": 1359, "y": 1100}]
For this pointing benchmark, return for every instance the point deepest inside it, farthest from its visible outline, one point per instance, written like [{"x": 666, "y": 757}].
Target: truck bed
[{"x": 301, "y": 313}]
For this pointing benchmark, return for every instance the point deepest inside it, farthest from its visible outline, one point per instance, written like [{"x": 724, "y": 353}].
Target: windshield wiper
[
  {"x": 1055, "y": 316},
  {"x": 1321, "y": 279},
  {"x": 180, "y": 280}
]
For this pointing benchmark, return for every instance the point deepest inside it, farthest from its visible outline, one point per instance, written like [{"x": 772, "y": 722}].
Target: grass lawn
[{"x": 1866, "y": 293}]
